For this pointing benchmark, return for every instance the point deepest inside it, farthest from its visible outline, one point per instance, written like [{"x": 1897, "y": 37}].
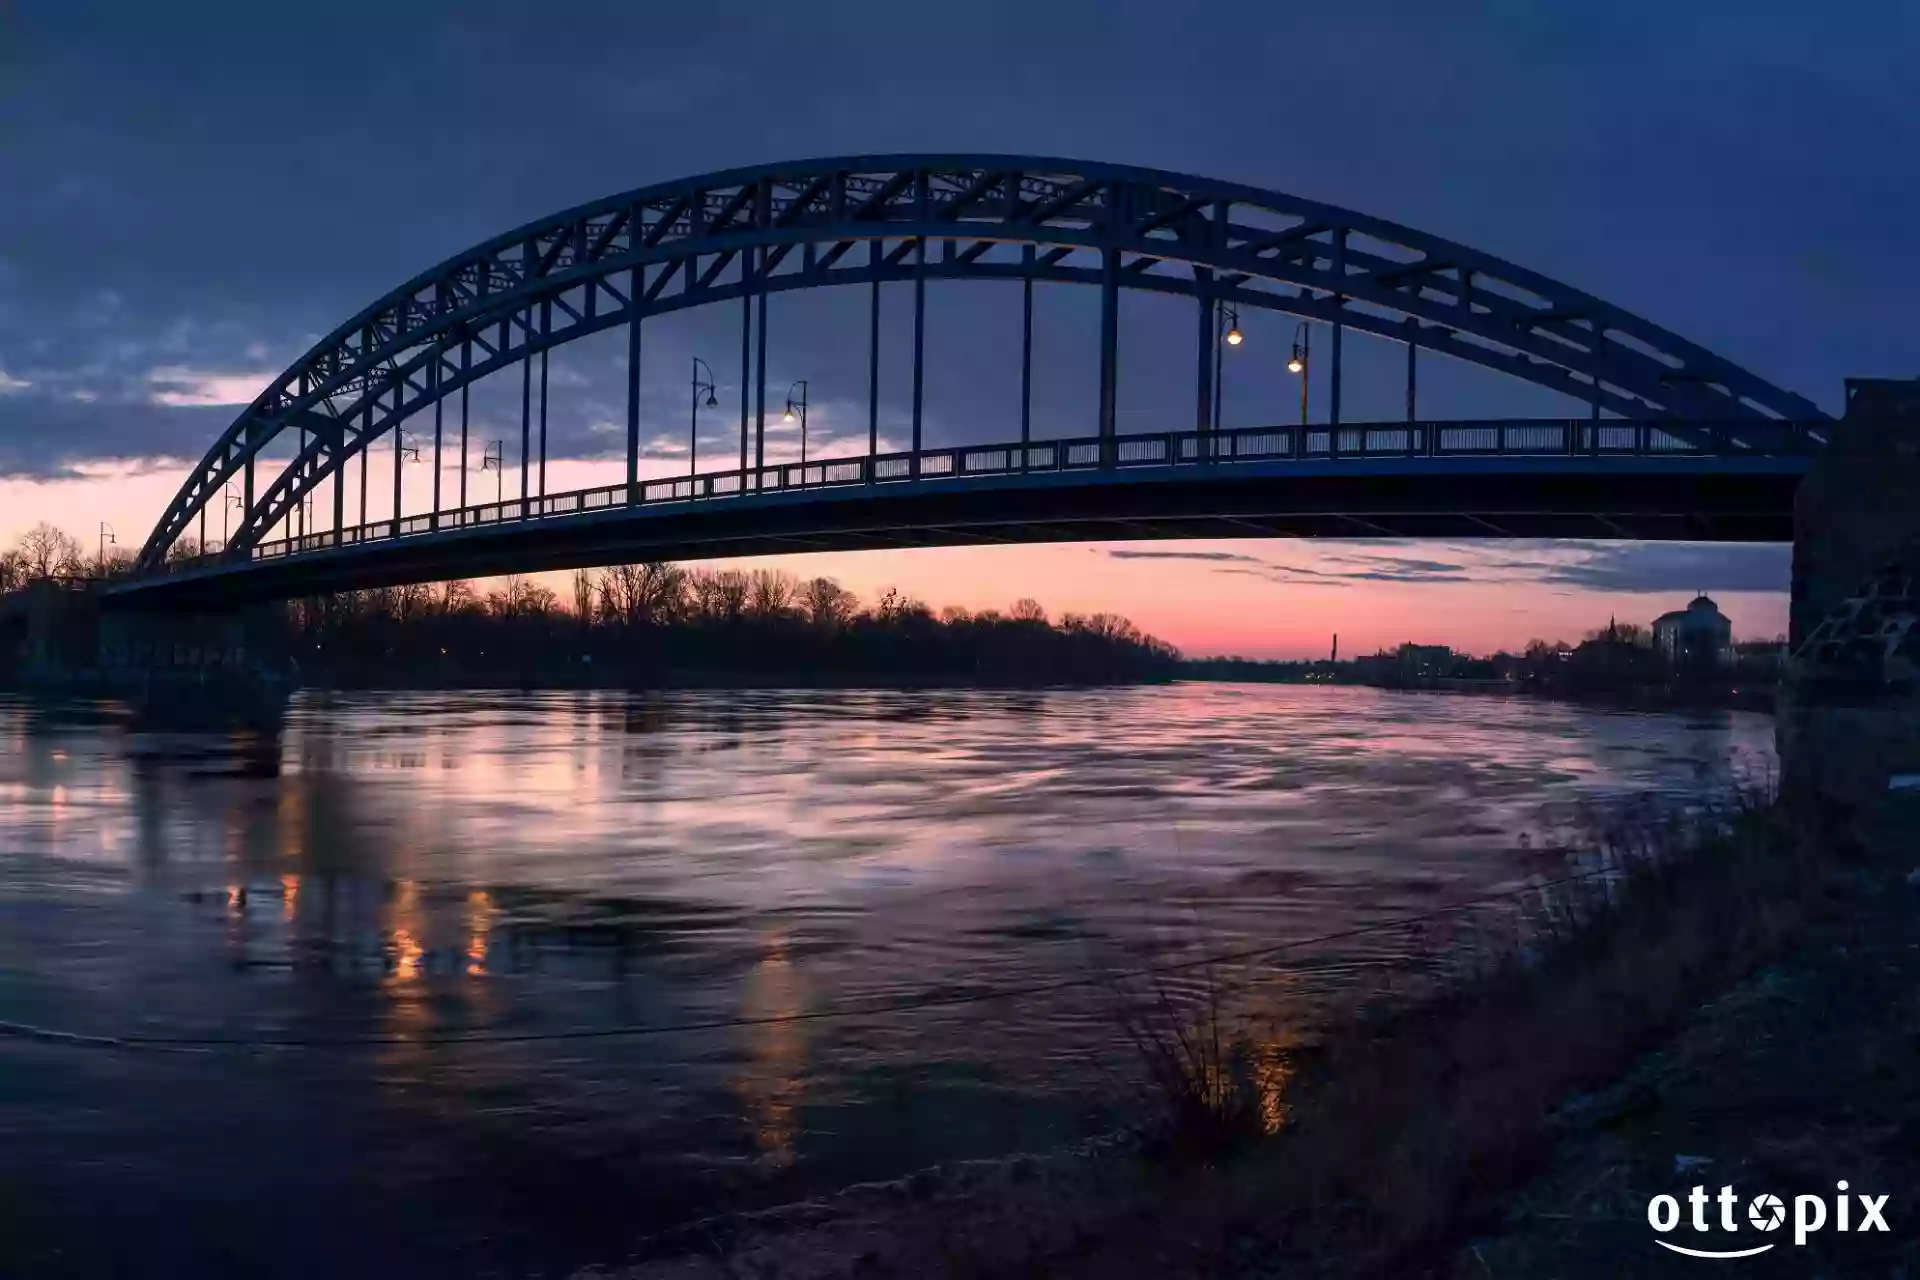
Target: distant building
[
  {"x": 1424, "y": 661},
  {"x": 1696, "y": 636}
]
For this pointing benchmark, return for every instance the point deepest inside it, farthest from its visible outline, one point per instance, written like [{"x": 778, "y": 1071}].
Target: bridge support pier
[
  {"x": 1848, "y": 727},
  {"x": 65, "y": 635},
  {"x": 210, "y": 644},
  {"x": 47, "y": 628}
]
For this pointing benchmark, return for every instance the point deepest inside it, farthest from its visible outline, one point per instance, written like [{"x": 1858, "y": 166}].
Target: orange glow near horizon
[{"x": 1257, "y": 598}]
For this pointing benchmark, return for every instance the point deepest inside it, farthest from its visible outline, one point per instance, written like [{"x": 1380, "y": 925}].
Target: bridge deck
[{"x": 1535, "y": 478}]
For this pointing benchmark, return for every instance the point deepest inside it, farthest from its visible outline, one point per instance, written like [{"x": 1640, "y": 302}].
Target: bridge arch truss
[{"x": 749, "y": 233}]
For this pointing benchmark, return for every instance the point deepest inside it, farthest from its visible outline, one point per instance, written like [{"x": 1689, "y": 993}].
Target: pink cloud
[{"x": 193, "y": 388}]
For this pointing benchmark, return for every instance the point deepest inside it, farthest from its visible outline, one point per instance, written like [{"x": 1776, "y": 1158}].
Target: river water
[{"x": 498, "y": 983}]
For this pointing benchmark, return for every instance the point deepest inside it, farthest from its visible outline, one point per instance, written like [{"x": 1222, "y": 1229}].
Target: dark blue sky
[
  {"x": 188, "y": 183},
  {"x": 203, "y": 189}
]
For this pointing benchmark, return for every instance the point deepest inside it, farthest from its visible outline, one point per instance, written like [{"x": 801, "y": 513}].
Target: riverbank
[
  {"x": 695, "y": 679},
  {"x": 1796, "y": 1079},
  {"x": 89, "y": 682},
  {"x": 1748, "y": 697},
  {"x": 1514, "y": 1125}
]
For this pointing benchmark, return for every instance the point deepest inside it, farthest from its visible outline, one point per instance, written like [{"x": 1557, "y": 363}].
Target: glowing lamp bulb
[
  {"x": 1234, "y": 337},
  {"x": 787, "y": 416},
  {"x": 1294, "y": 365}
]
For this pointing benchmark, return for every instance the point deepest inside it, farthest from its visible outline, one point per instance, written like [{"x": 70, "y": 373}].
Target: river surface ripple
[{"x": 409, "y": 871}]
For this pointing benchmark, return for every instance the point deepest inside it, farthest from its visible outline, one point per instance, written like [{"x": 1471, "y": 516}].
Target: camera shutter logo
[{"x": 1767, "y": 1212}]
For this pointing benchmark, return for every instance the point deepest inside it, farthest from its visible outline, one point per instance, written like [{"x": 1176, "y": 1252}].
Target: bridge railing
[{"x": 1173, "y": 449}]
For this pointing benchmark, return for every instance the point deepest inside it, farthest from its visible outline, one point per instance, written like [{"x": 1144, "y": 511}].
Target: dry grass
[{"x": 1205, "y": 1091}]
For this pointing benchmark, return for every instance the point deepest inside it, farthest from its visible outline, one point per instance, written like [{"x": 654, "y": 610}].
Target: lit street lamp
[
  {"x": 1300, "y": 362},
  {"x": 693, "y": 427},
  {"x": 800, "y": 404},
  {"x": 1230, "y": 336}
]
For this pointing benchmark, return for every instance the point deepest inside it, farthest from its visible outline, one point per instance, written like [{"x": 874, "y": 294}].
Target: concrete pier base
[
  {"x": 1848, "y": 727},
  {"x": 64, "y": 635}
]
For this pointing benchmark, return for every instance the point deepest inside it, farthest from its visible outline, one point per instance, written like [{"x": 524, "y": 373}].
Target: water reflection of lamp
[
  {"x": 769, "y": 1087},
  {"x": 479, "y": 926},
  {"x": 407, "y": 950},
  {"x": 404, "y": 1055}
]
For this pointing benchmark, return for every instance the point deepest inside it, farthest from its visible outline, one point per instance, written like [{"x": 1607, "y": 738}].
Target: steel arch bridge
[{"x": 1677, "y": 411}]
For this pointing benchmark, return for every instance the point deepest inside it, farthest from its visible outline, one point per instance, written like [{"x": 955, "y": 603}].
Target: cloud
[
  {"x": 1400, "y": 564},
  {"x": 1557, "y": 565},
  {"x": 1402, "y": 576},
  {"x": 1386, "y": 572},
  {"x": 43, "y": 437},
  {"x": 1364, "y": 568},
  {"x": 1283, "y": 574},
  {"x": 1567, "y": 564},
  {"x": 181, "y": 388},
  {"x": 9, "y": 384},
  {"x": 1219, "y": 556},
  {"x": 1659, "y": 567}
]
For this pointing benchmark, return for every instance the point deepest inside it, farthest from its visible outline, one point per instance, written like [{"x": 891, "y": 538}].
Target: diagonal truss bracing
[{"x": 670, "y": 246}]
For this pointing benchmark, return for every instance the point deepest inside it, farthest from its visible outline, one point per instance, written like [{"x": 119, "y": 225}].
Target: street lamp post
[
  {"x": 1300, "y": 362},
  {"x": 1230, "y": 336},
  {"x": 404, "y": 452},
  {"x": 494, "y": 460},
  {"x": 232, "y": 500},
  {"x": 800, "y": 404},
  {"x": 107, "y": 539},
  {"x": 693, "y": 426}
]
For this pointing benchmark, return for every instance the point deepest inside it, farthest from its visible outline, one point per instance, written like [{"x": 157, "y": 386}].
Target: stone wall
[
  {"x": 62, "y": 634},
  {"x": 1849, "y": 715},
  {"x": 1860, "y": 504}
]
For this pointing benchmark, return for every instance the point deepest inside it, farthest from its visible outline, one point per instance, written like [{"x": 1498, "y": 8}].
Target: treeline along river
[{"x": 479, "y": 981}]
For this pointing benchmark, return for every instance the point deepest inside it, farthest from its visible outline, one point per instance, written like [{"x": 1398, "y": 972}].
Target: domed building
[{"x": 1697, "y": 636}]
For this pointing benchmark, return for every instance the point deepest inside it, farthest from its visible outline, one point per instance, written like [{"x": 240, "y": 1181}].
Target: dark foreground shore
[
  {"x": 1803, "y": 1075},
  {"x": 1741, "y": 1016}
]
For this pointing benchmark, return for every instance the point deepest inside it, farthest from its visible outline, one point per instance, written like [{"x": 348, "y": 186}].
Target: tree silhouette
[{"x": 48, "y": 552}]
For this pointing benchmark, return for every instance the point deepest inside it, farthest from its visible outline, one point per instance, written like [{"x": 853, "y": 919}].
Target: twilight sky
[{"x": 192, "y": 193}]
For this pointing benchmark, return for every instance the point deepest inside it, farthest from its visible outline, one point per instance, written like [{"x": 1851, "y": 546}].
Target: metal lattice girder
[{"x": 1169, "y": 233}]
